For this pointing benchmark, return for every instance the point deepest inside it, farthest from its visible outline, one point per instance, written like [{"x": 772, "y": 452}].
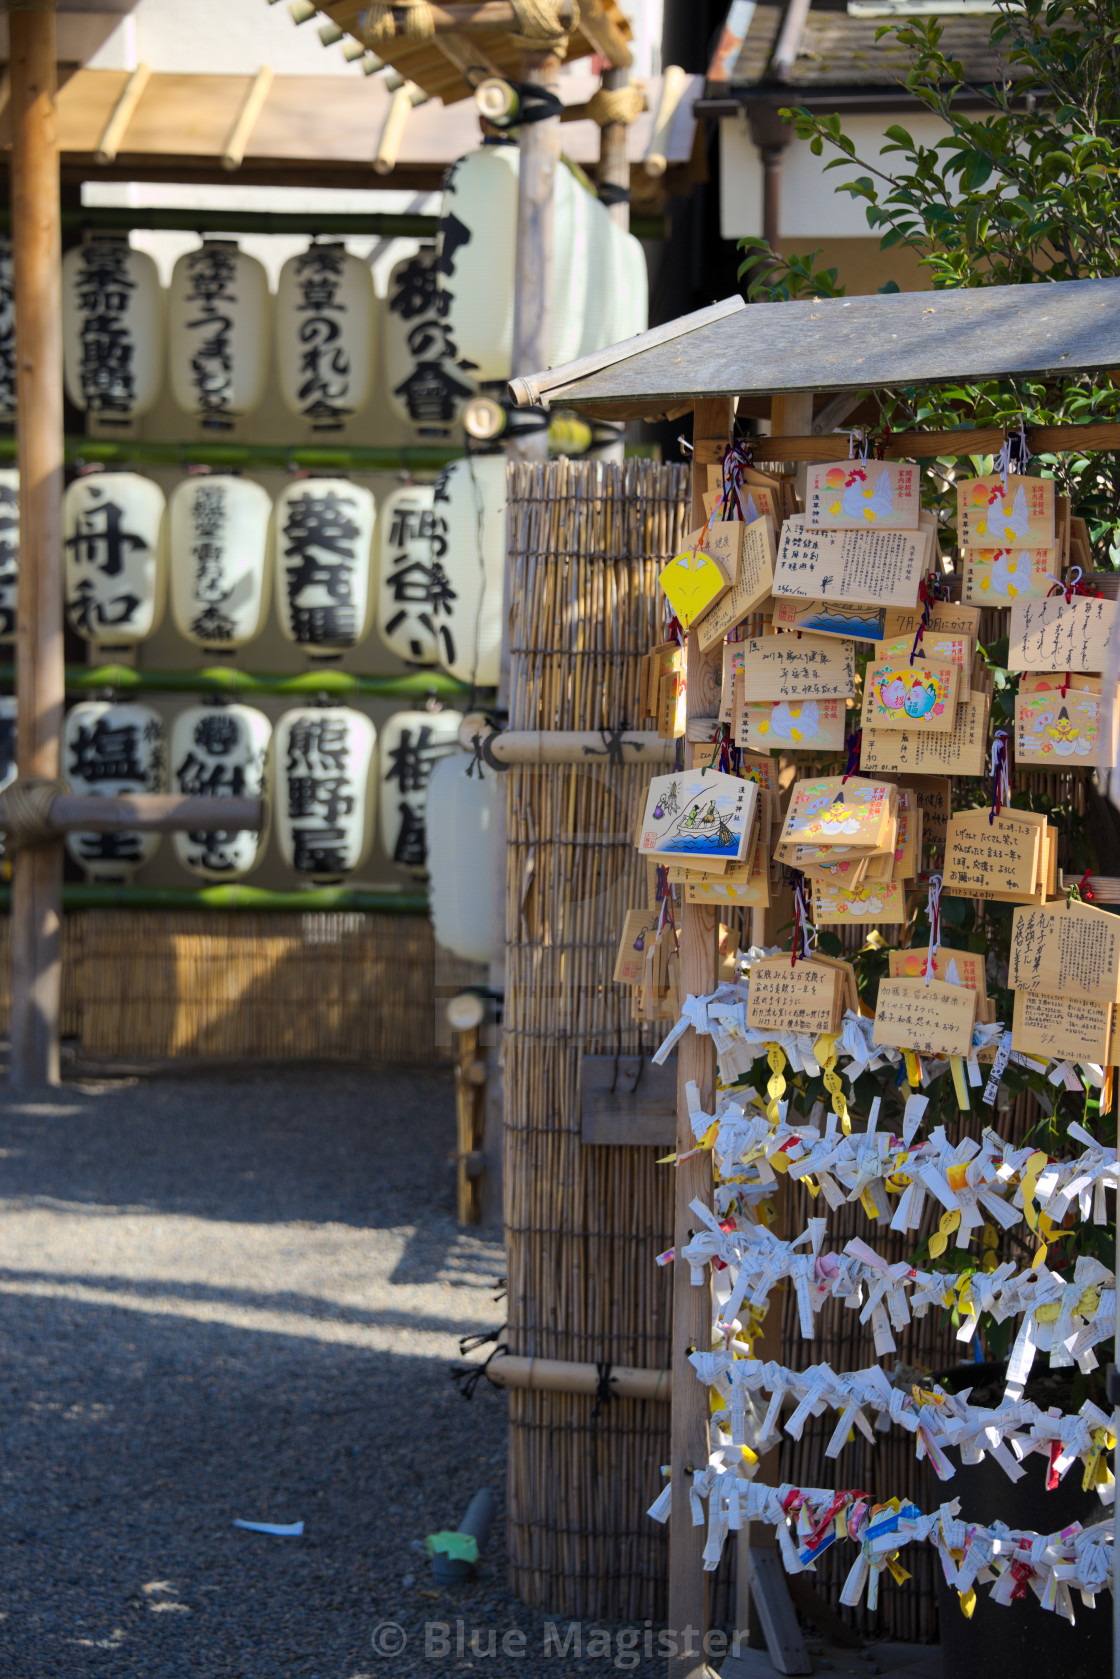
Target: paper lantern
[
  {"x": 220, "y": 559},
  {"x": 7, "y": 331},
  {"x": 220, "y": 752},
  {"x": 218, "y": 332},
  {"x": 468, "y": 558},
  {"x": 112, "y": 329},
  {"x": 412, "y": 743},
  {"x": 462, "y": 832},
  {"x": 599, "y": 287},
  {"x": 111, "y": 747},
  {"x": 326, "y": 335},
  {"x": 404, "y": 556},
  {"x": 324, "y": 556},
  {"x": 425, "y": 379},
  {"x": 115, "y": 556},
  {"x": 9, "y": 553},
  {"x": 324, "y": 776}
]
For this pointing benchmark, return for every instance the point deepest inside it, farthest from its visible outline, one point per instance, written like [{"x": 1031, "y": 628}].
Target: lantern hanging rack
[
  {"x": 341, "y": 684},
  {"x": 246, "y": 898},
  {"x": 251, "y": 457},
  {"x": 111, "y": 218}
]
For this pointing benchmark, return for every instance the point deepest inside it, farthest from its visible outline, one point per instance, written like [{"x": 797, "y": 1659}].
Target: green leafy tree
[{"x": 1022, "y": 191}]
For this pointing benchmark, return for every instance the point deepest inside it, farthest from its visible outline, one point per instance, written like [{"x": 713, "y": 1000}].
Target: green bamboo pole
[
  {"x": 253, "y": 457},
  {"x": 101, "y": 896},
  {"x": 85, "y": 679}
]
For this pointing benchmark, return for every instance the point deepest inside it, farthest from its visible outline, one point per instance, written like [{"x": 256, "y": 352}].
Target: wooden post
[
  {"x": 536, "y": 192},
  {"x": 37, "y": 249},
  {"x": 614, "y": 166},
  {"x": 692, "y": 1307}
]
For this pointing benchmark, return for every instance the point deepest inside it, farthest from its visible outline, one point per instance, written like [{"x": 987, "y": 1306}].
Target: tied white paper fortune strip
[
  {"x": 808, "y": 1520},
  {"x": 888, "y": 1295},
  {"x": 978, "y": 1179},
  {"x": 721, "y": 1015},
  {"x": 937, "y": 1420}
]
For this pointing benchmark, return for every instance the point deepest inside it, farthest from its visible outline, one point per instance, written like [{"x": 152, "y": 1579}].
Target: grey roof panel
[
  {"x": 850, "y": 344},
  {"x": 841, "y": 51}
]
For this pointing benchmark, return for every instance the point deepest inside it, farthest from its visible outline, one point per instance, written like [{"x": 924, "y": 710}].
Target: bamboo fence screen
[
  {"x": 325, "y": 985},
  {"x": 583, "y": 1225}
]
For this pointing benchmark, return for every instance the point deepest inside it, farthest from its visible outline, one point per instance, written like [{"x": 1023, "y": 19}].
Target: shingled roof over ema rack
[{"x": 841, "y": 344}]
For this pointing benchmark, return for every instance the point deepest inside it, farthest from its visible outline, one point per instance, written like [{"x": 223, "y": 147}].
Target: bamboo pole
[
  {"x": 536, "y": 192},
  {"x": 594, "y": 748},
  {"x": 614, "y": 165},
  {"x": 151, "y": 813},
  {"x": 250, "y": 457},
  {"x": 227, "y": 679},
  {"x": 37, "y": 250},
  {"x": 692, "y": 1307},
  {"x": 100, "y": 895},
  {"x": 233, "y": 153},
  {"x": 553, "y": 1375},
  {"x": 122, "y": 114}
]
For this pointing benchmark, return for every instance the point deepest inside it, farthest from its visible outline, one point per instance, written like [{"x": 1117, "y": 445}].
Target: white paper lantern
[
  {"x": 462, "y": 829},
  {"x": 403, "y": 560},
  {"x": 599, "y": 287},
  {"x": 220, "y": 559},
  {"x": 114, "y": 537},
  {"x": 325, "y": 790},
  {"x": 326, "y": 335},
  {"x": 220, "y": 752},
  {"x": 324, "y": 557},
  {"x": 218, "y": 332},
  {"x": 9, "y": 553},
  {"x": 425, "y": 379},
  {"x": 112, "y": 329},
  {"x": 111, "y": 747},
  {"x": 412, "y": 743},
  {"x": 465, "y": 593},
  {"x": 7, "y": 331}
]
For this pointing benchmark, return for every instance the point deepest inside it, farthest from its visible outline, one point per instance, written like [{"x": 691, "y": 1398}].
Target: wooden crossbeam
[{"x": 928, "y": 445}]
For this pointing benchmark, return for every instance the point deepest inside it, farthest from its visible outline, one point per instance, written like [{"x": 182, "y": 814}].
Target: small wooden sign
[
  {"x": 1001, "y": 576},
  {"x": 692, "y": 581},
  {"x": 951, "y": 967},
  {"x": 1060, "y": 1027},
  {"x": 751, "y": 586},
  {"x": 870, "y": 903},
  {"x": 698, "y": 816},
  {"x": 798, "y": 667},
  {"x": 1056, "y": 634},
  {"x": 872, "y": 567},
  {"x": 945, "y": 618},
  {"x": 639, "y": 935},
  {"x": 1051, "y": 729},
  {"x": 818, "y": 617},
  {"x": 920, "y": 696},
  {"x": 794, "y": 997},
  {"x": 1071, "y": 950},
  {"x": 992, "y": 857},
  {"x": 936, "y": 645},
  {"x": 793, "y": 725},
  {"x": 835, "y": 810},
  {"x": 959, "y": 751},
  {"x": 759, "y": 502},
  {"x": 733, "y": 656},
  {"x": 863, "y": 495},
  {"x": 933, "y": 1019},
  {"x": 990, "y": 516}
]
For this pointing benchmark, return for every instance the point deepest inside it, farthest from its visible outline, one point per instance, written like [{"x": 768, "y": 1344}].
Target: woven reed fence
[
  {"x": 582, "y": 1224},
  {"x": 336, "y": 986}
]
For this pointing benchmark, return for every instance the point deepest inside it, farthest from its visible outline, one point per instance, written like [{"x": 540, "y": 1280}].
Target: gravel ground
[{"x": 226, "y": 1297}]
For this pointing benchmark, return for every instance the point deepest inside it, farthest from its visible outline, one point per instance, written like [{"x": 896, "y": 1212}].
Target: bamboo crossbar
[
  {"x": 248, "y": 900},
  {"x": 556, "y": 1375},
  {"x": 227, "y": 679},
  {"x": 252, "y": 457},
  {"x": 596, "y": 748},
  {"x": 150, "y": 813}
]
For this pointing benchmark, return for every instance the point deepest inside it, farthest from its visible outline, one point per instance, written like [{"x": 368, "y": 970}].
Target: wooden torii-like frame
[{"x": 783, "y": 354}]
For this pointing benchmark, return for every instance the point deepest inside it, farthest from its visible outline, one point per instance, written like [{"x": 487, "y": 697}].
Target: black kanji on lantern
[
  {"x": 321, "y": 556},
  {"x": 104, "y": 287}
]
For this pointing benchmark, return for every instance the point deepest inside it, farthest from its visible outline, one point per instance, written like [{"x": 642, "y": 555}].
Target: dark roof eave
[{"x": 726, "y": 99}]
